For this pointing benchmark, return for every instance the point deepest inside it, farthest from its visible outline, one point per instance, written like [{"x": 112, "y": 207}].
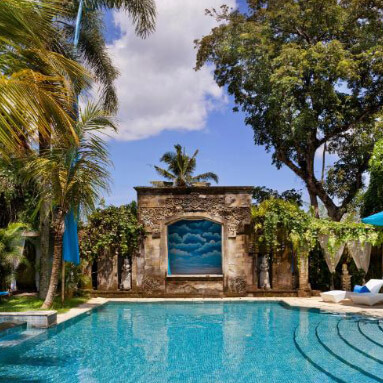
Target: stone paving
[{"x": 345, "y": 307}]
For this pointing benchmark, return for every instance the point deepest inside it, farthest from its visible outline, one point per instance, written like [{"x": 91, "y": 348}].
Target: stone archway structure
[{"x": 160, "y": 207}]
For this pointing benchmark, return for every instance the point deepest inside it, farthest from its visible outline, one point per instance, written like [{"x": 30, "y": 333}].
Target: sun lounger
[
  {"x": 335, "y": 296},
  {"x": 368, "y": 299}
]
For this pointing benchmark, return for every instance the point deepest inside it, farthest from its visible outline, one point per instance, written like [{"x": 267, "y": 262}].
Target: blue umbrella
[{"x": 375, "y": 219}]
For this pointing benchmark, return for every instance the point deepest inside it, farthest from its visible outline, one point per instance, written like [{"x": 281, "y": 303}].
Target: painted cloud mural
[{"x": 195, "y": 247}]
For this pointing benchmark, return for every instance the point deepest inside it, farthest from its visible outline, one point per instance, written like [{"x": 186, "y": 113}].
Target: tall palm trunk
[
  {"x": 45, "y": 224},
  {"x": 45, "y": 261},
  {"x": 59, "y": 226}
]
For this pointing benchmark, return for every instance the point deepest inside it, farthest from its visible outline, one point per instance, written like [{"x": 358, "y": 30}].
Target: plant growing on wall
[
  {"x": 276, "y": 221},
  {"x": 373, "y": 197},
  {"x": 113, "y": 228},
  {"x": 11, "y": 253}
]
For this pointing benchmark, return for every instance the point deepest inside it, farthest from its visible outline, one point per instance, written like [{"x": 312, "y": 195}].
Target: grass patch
[{"x": 31, "y": 303}]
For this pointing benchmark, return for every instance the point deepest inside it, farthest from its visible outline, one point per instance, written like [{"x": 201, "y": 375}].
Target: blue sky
[{"x": 164, "y": 102}]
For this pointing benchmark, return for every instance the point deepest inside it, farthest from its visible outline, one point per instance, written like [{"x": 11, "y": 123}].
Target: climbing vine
[
  {"x": 111, "y": 227},
  {"x": 277, "y": 222}
]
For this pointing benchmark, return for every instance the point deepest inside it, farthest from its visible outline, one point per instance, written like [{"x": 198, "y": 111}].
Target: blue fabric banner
[
  {"x": 71, "y": 252},
  {"x": 375, "y": 219}
]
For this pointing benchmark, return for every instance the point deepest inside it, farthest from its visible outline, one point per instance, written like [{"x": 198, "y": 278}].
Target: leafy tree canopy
[
  {"x": 262, "y": 193},
  {"x": 373, "y": 197},
  {"x": 18, "y": 199},
  {"x": 11, "y": 251},
  {"x": 111, "y": 227},
  {"x": 307, "y": 74}
]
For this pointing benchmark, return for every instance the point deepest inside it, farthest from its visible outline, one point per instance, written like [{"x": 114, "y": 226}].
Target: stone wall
[
  {"x": 107, "y": 271},
  {"x": 282, "y": 275},
  {"x": 159, "y": 207}
]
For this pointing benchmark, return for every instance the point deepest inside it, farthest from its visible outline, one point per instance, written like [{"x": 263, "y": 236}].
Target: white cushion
[
  {"x": 374, "y": 285},
  {"x": 334, "y": 296}
]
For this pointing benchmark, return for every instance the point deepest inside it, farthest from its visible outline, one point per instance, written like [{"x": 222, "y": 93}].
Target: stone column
[{"x": 304, "y": 285}]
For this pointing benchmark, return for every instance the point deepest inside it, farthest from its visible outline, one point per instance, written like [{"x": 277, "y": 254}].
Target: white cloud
[{"x": 158, "y": 88}]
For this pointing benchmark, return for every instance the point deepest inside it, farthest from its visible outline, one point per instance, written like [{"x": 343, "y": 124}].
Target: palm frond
[
  {"x": 142, "y": 12},
  {"x": 206, "y": 177},
  {"x": 165, "y": 173},
  {"x": 181, "y": 167},
  {"x": 37, "y": 85},
  {"x": 94, "y": 53},
  {"x": 168, "y": 158},
  {"x": 74, "y": 173}
]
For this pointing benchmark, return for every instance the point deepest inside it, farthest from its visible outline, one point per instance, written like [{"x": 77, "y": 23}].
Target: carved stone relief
[
  {"x": 151, "y": 284},
  {"x": 238, "y": 285},
  {"x": 236, "y": 217}
]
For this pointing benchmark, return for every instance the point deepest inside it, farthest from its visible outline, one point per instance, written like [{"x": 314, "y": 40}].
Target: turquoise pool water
[{"x": 199, "y": 343}]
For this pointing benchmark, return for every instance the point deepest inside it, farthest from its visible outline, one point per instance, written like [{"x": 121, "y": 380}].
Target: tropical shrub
[
  {"x": 113, "y": 227},
  {"x": 11, "y": 253},
  {"x": 373, "y": 197},
  {"x": 279, "y": 223}
]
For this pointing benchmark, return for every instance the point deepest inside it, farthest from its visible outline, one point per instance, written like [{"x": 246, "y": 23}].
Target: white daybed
[
  {"x": 374, "y": 285},
  {"x": 368, "y": 299}
]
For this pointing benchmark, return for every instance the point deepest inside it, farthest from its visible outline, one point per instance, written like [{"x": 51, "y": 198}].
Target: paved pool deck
[{"x": 345, "y": 307}]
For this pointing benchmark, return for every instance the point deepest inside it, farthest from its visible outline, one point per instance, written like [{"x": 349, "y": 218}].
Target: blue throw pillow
[{"x": 361, "y": 289}]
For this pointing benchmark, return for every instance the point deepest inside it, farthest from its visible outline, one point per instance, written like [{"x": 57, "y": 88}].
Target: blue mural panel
[{"x": 195, "y": 247}]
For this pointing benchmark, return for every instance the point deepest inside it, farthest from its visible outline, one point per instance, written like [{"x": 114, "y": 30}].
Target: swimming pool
[{"x": 208, "y": 342}]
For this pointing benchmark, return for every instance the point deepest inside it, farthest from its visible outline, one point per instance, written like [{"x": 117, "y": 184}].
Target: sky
[{"x": 164, "y": 102}]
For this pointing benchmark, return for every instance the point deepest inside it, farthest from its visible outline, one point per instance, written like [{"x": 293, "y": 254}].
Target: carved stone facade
[{"x": 159, "y": 207}]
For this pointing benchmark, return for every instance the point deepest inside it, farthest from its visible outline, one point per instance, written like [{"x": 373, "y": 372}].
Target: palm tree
[
  {"x": 75, "y": 174},
  {"x": 91, "y": 51},
  {"x": 39, "y": 81},
  {"x": 37, "y": 85},
  {"x": 91, "y": 48},
  {"x": 181, "y": 168}
]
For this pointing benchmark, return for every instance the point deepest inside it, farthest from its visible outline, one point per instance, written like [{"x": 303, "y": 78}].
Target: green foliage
[
  {"x": 373, "y": 197},
  {"x": 262, "y": 193},
  {"x": 31, "y": 303},
  {"x": 114, "y": 228},
  {"x": 181, "y": 168},
  {"x": 73, "y": 173},
  {"x": 306, "y": 73},
  {"x": 17, "y": 200},
  {"x": 34, "y": 78},
  {"x": 11, "y": 251},
  {"x": 277, "y": 222}
]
